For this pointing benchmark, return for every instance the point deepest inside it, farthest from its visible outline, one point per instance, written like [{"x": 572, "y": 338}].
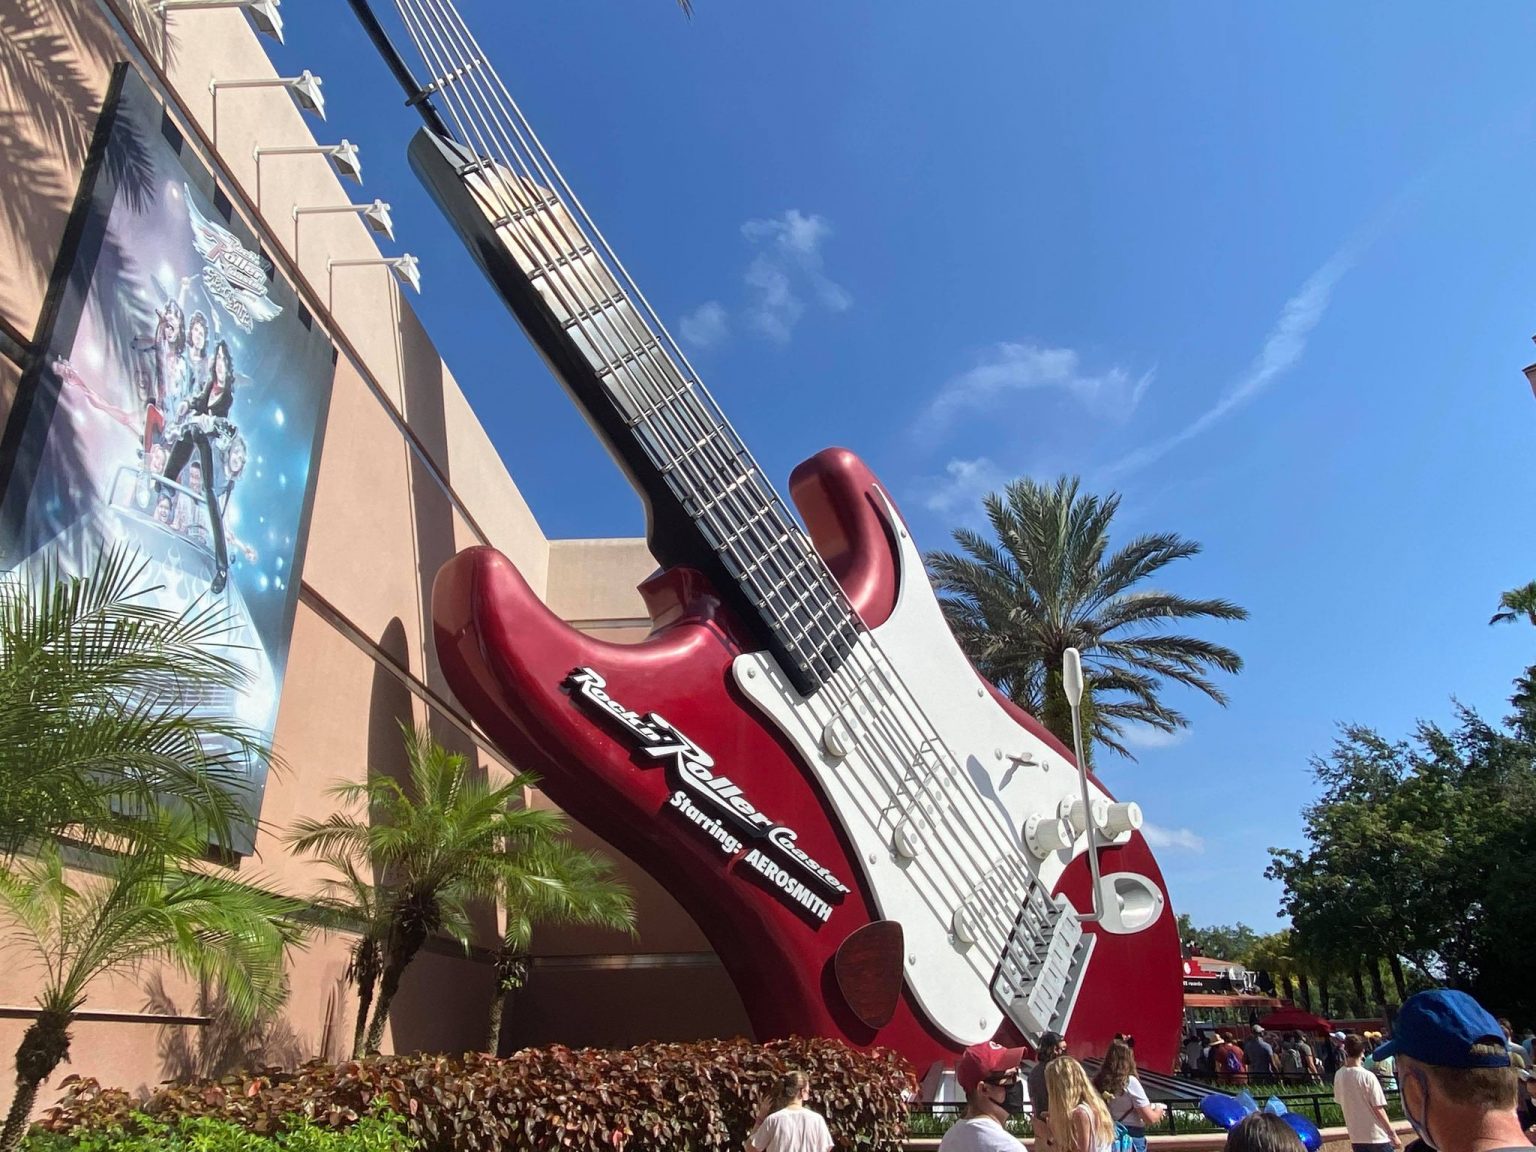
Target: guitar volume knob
[
  {"x": 1122, "y": 818},
  {"x": 1072, "y": 813},
  {"x": 1046, "y": 834}
]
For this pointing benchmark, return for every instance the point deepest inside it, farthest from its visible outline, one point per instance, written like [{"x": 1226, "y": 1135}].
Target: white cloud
[
  {"x": 785, "y": 277},
  {"x": 1176, "y": 839},
  {"x": 964, "y": 484},
  {"x": 1145, "y": 736},
  {"x": 1009, "y": 367},
  {"x": 706, "y": 326},
  {"x": 1283, "y": 348},
  {"x": 788, "y": 267}
]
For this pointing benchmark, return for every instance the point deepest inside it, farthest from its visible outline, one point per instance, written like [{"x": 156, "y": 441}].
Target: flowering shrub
[{"x": 698, "y": 1095}]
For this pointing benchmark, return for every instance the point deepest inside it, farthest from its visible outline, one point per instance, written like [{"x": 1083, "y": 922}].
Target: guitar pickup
[{"x": 1041, "y": 969}]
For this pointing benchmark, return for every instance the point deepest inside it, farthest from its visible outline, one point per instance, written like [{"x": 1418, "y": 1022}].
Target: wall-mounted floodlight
[
  {"x": 305, "y": 88},
  {"x": 376, "y": 215},
  {"x": 264, "y": 13},
  {"x": 405, "y": 268},
  {"x": 343, "y": 155}
]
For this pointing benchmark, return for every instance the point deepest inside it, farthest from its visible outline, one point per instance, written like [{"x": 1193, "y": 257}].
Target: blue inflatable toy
[
  {"x": 1311, "y": 1138},
  {"x": 1223, "y": 1110}
]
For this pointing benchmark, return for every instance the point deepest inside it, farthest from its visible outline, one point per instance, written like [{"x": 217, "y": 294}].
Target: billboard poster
[{"x": 176, "y": 402}]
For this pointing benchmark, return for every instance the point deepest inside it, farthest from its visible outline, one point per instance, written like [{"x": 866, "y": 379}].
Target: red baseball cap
[{"x": 982, "y": 1060}]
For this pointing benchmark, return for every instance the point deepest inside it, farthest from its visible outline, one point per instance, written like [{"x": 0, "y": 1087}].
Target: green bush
[
  {"x": 656, "y": 1097},
  {"x": 379, "y": 1131}
]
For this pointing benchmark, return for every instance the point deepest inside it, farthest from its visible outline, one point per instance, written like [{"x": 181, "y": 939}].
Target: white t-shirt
[
  {"x": 791, "y": 1130},
  {"x": 979, "y": 1134},
  {"x": 1122, "y": 1109},
  {"x": 1357, "y": 1090}
]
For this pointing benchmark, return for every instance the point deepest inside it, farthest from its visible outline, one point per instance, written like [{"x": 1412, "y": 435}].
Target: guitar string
[
  {"x": 548, "y": 263},
  {"x": 558, "y": 265},
  {"x": 551, "y": 270},
  {"x": 830, "y": 598}
]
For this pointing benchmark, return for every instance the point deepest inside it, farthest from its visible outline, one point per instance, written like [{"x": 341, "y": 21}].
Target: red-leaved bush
[{"x": 655, "y": 1097}]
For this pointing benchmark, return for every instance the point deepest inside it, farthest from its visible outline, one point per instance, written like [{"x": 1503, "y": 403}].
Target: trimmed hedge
[{"x": 656, "y": 1097}]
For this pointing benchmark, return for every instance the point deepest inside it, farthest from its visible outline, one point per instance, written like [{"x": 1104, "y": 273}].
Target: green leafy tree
[
  {"x": 1232, "y": 942},
  {"x": 1046, "y": 580},
  {"x": 1515, "y": 603},
  {"x": 446, "y": 841},
  {"x": 1416, "y": 858},
  {"x": 144, "y": 906},
  {"x": 100, "y": 716}
]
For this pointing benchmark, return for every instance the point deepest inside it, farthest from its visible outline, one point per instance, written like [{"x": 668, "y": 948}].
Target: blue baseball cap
[{"x": 1440, "y": 1027}]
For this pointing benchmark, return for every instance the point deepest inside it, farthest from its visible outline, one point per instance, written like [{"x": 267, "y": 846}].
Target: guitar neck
[{"x": 708, "y": 503}]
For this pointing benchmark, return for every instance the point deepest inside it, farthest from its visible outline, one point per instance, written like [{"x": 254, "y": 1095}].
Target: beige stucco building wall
[{"x": 407, "y": 477}]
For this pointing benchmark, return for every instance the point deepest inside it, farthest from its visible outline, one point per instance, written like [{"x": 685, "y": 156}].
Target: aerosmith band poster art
[{"x": 175, "y": 407}]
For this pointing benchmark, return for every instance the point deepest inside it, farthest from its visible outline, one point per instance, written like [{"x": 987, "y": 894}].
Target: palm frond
[{"x": 1046, "y": 580}]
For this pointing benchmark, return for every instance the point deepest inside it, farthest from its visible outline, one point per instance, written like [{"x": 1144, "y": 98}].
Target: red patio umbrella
[{"x": 1295, "y": 1020}]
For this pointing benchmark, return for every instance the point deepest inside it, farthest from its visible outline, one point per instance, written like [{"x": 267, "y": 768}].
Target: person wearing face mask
[
  {"x": 988, "y": 1074},
  {"x": 1052, "y": 1046},
  {"x": 1454, "y": 1073}
]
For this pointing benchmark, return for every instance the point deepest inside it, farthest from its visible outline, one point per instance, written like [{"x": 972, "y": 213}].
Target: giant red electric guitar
[{"x": 879, "y": 846}]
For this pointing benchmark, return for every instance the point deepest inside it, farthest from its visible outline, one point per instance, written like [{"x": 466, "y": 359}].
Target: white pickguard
[{"x": 999, "y": 775}]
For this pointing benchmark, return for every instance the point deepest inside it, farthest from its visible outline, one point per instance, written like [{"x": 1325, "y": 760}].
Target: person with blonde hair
[
  {"x": 785, "y": 1124},
  {"x": 1079, "y": 1118}
]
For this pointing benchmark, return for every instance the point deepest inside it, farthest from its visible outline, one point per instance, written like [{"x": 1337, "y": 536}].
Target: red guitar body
[{"x": 507, "y": 658}]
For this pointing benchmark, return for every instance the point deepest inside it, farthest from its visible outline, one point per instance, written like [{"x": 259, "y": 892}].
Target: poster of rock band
[{"x": 177, "y": 404}]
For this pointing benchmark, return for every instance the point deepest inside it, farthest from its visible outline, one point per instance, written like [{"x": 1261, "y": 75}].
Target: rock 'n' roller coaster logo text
[{"x": 712, "y": 801}]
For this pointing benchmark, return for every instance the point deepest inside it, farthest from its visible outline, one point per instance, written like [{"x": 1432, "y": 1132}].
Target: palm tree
[
  {"x": 1048, "y": 582},
  {"x": 352, "y": 902},
  {"x": 448, "y": 841},
  {"x": 144, "y": 906},
  {"x": 551, "y": 881},
  {"x": 1515, "y": 603},
  {"x": 100, "y": 713}
]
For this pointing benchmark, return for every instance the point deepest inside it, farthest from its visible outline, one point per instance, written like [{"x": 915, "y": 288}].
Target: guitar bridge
[{"x": 1042, "y": 965}]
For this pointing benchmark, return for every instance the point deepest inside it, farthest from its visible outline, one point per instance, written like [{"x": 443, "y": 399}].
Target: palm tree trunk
[
  {"x": 511, "y": 974},
  {"x": 493, "y": 1024},
  {"x": 367, "y": 980},
  {"x": 1056, "y": 713},
  {"x": 399, "y": 950},
  {"x": 43, "y": 1048},
  {"x": 1377, "y": 990}
]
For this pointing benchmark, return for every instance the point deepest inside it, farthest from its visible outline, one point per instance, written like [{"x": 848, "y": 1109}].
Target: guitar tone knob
[
  {"x": 1072, "y": 813},
  {"x": 837, "y": 739},
  {"x": 965, "y": 924},
  {"x": 907, "y": 840},
  {"x": 1046, "y": 834},
  {"x": 1122, "y": 818}
]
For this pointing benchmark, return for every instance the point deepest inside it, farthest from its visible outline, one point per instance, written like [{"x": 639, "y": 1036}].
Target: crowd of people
[
  {"x": 1466, "y": 1086},
  {"x": 1464, "y": 1081}
]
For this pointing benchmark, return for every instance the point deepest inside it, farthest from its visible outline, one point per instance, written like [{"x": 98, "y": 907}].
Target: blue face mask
[{"x": 1420, "y": 1123}]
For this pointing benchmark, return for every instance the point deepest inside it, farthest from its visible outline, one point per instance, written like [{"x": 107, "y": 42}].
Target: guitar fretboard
[{"x": 691, "y": 448}]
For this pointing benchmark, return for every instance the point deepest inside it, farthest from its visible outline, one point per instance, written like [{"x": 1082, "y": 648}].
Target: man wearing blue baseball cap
[{"x": 1454, "y": 1074}]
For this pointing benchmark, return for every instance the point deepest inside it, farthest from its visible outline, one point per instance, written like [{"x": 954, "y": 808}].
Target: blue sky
[{"x": 1268, "y": 271}]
